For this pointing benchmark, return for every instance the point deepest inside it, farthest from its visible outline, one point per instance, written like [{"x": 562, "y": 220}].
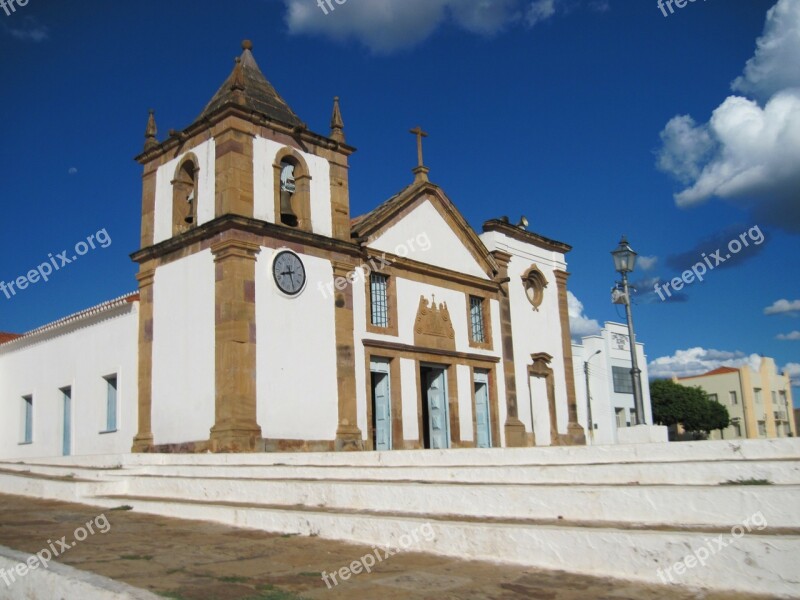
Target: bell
[{"x": 288, "y": 216}]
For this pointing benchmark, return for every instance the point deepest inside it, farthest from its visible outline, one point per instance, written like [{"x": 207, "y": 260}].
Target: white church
[{"x": 267, "y": 318}]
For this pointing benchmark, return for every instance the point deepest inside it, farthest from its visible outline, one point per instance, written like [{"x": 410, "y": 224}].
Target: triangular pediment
[{"x": 422, "y": 223}]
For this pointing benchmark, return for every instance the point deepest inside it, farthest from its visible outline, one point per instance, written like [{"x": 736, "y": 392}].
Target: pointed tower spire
[
  {"x": 150, "y": 132},
  {"x": 247, "y": 88},
  {"x": 337, "y": 123}
]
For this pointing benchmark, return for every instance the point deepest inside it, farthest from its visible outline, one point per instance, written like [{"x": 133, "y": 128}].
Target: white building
[
  {"x": 71, "y": 387},
  {"x": 607, "y": 358},
  {"x": 267, "y": 319}
]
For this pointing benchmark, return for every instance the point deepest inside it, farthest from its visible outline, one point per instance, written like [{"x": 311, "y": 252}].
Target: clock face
[{"x": 289, "y": 273}]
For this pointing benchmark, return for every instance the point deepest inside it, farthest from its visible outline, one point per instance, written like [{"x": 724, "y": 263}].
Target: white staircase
[{"x": 630, "y": 512}]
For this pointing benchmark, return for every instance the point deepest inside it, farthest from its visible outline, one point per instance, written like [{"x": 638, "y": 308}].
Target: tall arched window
[
  {"x": 184, "y": 197},
  {"x": 292, "y": 190}
]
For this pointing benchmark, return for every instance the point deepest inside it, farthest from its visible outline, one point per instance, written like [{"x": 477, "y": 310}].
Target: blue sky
[{"x": 593, "y": 118}]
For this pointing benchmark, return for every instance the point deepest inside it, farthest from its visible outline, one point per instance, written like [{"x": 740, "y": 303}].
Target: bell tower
[{"x": 247, "y": 171}]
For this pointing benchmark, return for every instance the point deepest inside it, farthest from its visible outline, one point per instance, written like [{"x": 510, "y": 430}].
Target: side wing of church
[{"x": 268, "y": 319}]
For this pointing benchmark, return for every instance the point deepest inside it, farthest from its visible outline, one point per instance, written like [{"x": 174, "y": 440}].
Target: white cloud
[
  {"x": 382, "y": 25},
  {"x": 696, "y": 361},
  {"x": 580, "y": 325},
  {"x": 789, "y": 337},
  {"x": 774, "y": 66},
  {"x": 385, "y": 26},
  {"x": 72, "y": 170},
  {"x": 645, "y": 263},
  {"x": 749, "y": 151},
  {"x": 540, "y": 10},
  {"x": 783, "y": 307},
  {"x": 793, "y": 371},
  {"x": 27, "y": 29}
]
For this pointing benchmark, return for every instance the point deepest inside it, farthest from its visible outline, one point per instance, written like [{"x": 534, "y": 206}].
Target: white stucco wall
[
  {"x": 206, "y": 155},
  {"x": 264, "y": 153},
  {"x": 184, "y": 350},
  {"x": 296, "y": 378},
  {"x": 465, "y": 402},
  {"x": 423, "y": 235},
  {"x": 79, "y": 355},
  {"x": 535, "y": 331},
  {"x": 408, "y": 374}
]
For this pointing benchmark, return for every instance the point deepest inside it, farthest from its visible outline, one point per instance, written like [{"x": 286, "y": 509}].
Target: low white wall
[{"x": 643, "y": 434}]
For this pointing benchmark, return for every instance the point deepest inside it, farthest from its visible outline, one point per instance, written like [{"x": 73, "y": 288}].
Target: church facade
[{"x": 268, "y": 319}]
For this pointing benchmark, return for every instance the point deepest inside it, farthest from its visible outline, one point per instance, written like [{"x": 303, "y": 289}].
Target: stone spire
[
  {"x": 247, "y": 88},
  {"x": 337, "y": 123},
  {"x": 150, "y": 132}
]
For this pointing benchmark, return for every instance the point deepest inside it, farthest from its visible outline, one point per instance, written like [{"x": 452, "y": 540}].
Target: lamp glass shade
[{"x": 624, "y": 257}]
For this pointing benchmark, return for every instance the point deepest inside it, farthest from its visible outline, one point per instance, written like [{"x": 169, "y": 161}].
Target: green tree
[
  {"x": 690, "y": 407},
  {"x": 719, "y": 417}
]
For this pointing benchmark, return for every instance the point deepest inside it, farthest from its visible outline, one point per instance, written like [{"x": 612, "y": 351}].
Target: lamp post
[
  {"x": 589, "y": 395},
  {"x": 624, "y": 262}
]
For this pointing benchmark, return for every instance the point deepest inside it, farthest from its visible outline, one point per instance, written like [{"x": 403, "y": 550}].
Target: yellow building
[{"x": 759, "y": 402}]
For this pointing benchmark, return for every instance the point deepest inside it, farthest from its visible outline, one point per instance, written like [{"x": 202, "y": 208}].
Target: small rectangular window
[
  {"x": 762, "y": 429},
  {"x": 620, "y": 415},
  {"x": 734, "y": 399},
  {"x": 27, "y": 407},
  {"x": 757, "y": 392},
  {"x": 713, "y": 397},
  {"x": 476, "y": 319},
  {"x": 111, "y": 403},
  {"x": 379, "y": 299},
  {"x": 737, "y": 430},
  {"x": 623, "y": 382}
]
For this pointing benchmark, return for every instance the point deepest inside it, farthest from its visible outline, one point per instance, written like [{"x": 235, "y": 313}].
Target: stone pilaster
[
  {"x": 234, "y": 172},
  {"x": 236, "y": 427},
  {"x": 514, "y": 428},
  {"x": 576, "y": 436},
  {"x": 148, "y": 204},
  {"x": 143, "y": 442},
  {"x": 348, "y": 435},
  {"x": 340, "y": 196}
]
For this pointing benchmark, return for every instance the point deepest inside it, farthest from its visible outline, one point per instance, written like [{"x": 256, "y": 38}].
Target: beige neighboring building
[{"x": 759, "y": 402}]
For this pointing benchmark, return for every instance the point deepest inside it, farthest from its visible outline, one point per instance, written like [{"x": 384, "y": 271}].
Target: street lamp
[
  {"x": 624, "y": 262},
  {"x": 589, "y": 395}
]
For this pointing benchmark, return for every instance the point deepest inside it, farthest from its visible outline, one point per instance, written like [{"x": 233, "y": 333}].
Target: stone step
[
  {"x": 68, "y": 471},
  {"x": 732, "y": 559},
  {"x": 68, "y": 489},
  {"x": 684, "y": 473},
  {"x": 684, "y": 452},
  {"x": 718, "y": 505}
]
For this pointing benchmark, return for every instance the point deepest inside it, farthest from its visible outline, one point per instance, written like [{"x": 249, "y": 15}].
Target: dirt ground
[{"x": 193, "y": 560}]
